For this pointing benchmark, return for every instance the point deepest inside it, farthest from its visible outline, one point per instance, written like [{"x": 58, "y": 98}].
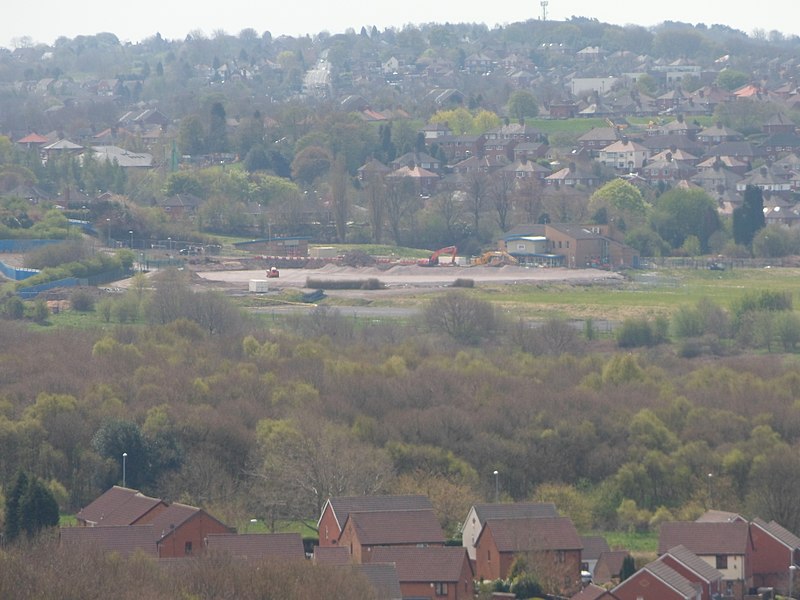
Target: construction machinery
[
  {"x": 273, "y": 272},
  {"x": 495, "y": 258},
  {"x": 433, "y": 259}
]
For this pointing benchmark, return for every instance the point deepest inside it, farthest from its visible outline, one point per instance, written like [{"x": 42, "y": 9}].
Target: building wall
[
  {"x": 488, "y": 561},
  {"x": 328, "y": 528},
  {"x": 680, "y": 568},
  {"x": 770, "y": 560},
  {"x": 194, "y": 532},
  {"x": 470, "y": 532},
  {"x": 349, "y": 539},
  {"x": 644, "y": 586}
]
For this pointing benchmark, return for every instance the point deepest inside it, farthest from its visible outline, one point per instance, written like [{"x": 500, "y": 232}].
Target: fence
[
  {"x": 24, "y": 245},
  {"x": 35, "y": 290},
  {"x": 15, "y": 273}
]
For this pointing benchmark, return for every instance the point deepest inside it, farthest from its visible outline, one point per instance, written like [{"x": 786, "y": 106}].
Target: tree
[
  {"x": 217, "y": 129},
  {"x": 310, "y": 163},
  {"x": 681, "y": 213},
  {"x": 628, "y": 568},
  {"x": 13, "y": 501},
  {"x": 339, "y": 197},
  {"x": 191, "y": 136},
  {"x": 458, "y": 315},
  {"x": 30, "y": 507},
  {"x": 621, "y": 200},
  {"x": 522, "y": 104},
  {"x": 774, "y": 486},
  {"x": 749, "y": 217},
  {"x": 730, "y": 79}
]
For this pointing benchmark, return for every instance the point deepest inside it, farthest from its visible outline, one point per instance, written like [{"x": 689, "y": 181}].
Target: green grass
[{"x": 634, "y": 542}]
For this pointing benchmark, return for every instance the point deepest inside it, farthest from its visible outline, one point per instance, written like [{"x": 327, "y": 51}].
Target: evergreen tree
[
  {"x": 12, "y": 527},
  {"x": 749, "y": 217},
  {"x": 218, "y": 129},
  {"x": 38, "y": 509},
  {"x": 628, "y": 568}
]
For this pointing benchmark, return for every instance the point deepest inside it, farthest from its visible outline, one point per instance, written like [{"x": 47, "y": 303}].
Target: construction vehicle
[
  {"x": 433, "y": 260},
  {"x": 495, "y": 258},
  {"x": 273, "y": 272}
]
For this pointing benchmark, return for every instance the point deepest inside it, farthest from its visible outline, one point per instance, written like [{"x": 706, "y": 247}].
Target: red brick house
[
  {"x": 775, "y": 549},
  {"x": 120, "y": 506},
  {"x": 336, "y": 510},
  {"x": 434, "y": 572},
  {"x": 594, "y": 592},
  {"x": 364, "y": 531},
  {"x": 257, "y": 546},
  {"x": 480, "y": 513},
  {"x": 657, "y": 581},
  {"x": 697, "y": 571},
  {"x": 181, "y": 530},
  {"x": 609, "y": 566},
  {"x": 726, "y": 546},
  {"x": 551, "y": 546}
]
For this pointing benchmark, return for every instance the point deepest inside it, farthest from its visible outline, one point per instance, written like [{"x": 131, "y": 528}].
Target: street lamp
[
  {"x": 130, "y": 233},
  {"x": 108, "y": 228},
  {"x": 792, "y": 569},
  {"x": 124, "y": 465},
  {"x": 496, "y": 486},
  {"x": 710, "y": 497}
]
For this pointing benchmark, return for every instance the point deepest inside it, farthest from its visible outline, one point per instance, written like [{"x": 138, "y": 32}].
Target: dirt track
[{"x": 412, "y": 276}]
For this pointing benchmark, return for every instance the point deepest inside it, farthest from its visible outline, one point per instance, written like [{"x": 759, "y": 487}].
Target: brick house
[
  {"x": 624, "y": 155},
  {"x": 480, "y": 513},
  {"x": 694, "y": 569},
  {"x": 364, "y": 531},
  {"x": 336, "y": 510},
  {"x": 435, "y": 572},
  {"x": 657, "y": 581},
  {"x": 551, "y": 546},
  {"x": 775, "y": 549},
  {"x": 726, "y": 546},
  {"x": 609, "y": 566},
  {"x": 181, "y": 530},
  {"x": 120, "y": 506}
]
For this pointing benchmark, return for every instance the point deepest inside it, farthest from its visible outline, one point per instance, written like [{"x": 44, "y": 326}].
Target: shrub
[
  {"x": 641, "y": 332},
  {"x": 82, "y": 301},
  {"x": 464, "y": 283}
]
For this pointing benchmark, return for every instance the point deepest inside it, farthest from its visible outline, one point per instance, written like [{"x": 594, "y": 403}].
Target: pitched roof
[
  {"x": 593, "y": 547},
  {"x": 258, "y": 546},
  {"x": 672, "y": 578},
  {"x": 118, "y": 506},
  {"x": 538, "y": 533},
  {"x": 590, "y": 592},
  {"x": 397, "y": 527},
  {"x": 383, "y": 578},
  {"x": 781, "y": 534},
  {"x": 332, "y": 555},
  {"x": 705, "y": 538},
  {"x": 693, "y": 562},
  {"x": 344, "y": 505},
  {"x": 609, "y": 565},
  {"x": 123, "y": 539},
  {"x": 518, "y": 509},
  {"x": 441, "y": 563}
]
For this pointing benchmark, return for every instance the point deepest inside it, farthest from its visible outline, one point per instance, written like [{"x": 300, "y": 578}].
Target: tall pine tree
[
  {"x": 749, "y": 217},
  {"x": 30, "y": 507}
]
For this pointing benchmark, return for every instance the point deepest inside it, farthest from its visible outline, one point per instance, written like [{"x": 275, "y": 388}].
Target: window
[
  {"x": 489, "y": 555},
  {"x": 440, "y": 589},
  {"x": 722, "y": 561},
  {"x": 187, "y": 548}
]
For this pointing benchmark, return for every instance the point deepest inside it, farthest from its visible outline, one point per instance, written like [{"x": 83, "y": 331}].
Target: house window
[
  {"x": 440, "y": 589},
  {"x": 489, "y": 555},
  {"x": 722, "y": 561},
  {"x": 187, "y": 548},
  {"x": 560, "y": 556}
]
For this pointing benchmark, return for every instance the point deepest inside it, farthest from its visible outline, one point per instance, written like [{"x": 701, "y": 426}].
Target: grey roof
[
  {"x": 342, "y": 506},
  {"x": 383, "y": 578},
  {"x": 672, "y": 578},
  {"x": 692, "y": 562},
  {"x": 593, "y": 547},
  {"x": 436, "y": 563},
  {"x": 118, "y": 506},
  {"x": 393, "y": 527},
  {"x": 257, "y": 546},
  {"x": 516, "y": 510},
  {"x": 538, "y": 533},
  {"x": 124, "y": 539},
  {"x": 124, "y": 158}
]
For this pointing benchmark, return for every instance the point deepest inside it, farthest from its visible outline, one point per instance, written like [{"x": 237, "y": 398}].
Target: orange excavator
[{"x": 433, "y": 260}]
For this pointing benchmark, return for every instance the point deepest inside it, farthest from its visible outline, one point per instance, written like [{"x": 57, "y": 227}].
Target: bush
[
  {"x": 82, "y": 301},
  {"x": 464, "y": 283},
  {"x": 640, "y": 332}
]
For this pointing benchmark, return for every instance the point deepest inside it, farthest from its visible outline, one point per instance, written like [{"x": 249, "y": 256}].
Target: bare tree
[
  {"x": 375, "y": 190},
  {"x": 341, "y": 204},
  {"x": 448, "y": 206},
  {"x": 400, "y": 202},
  {"x": 476, "y": 187},
  {"x": 502, "y": 187}
]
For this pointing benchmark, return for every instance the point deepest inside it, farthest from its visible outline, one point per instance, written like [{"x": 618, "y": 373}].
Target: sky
[{"x": 46, "y": 20}]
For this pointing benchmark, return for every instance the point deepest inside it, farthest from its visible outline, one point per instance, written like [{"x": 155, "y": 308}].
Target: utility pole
[{"x": 544, "y": 4}]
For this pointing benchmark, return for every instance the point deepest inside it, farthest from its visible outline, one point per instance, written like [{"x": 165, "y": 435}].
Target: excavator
[
  {"x": 495, "y": 258},
  {"x": 273, "y": 272},
  {"x": 433, "y": 260}
]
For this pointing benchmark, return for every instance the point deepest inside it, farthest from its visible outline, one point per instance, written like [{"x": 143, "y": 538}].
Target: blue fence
[
  {"x": 35, "y": 290},
  {"x": 17, "y": 274},
  {"x": 21, "y": 246}
]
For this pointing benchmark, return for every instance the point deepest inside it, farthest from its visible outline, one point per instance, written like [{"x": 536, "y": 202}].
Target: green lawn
[{"x": 634, "y": 542}]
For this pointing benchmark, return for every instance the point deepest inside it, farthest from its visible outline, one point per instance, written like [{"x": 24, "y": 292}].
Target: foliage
[
  {"x": 522, "y": 104},
  {"x": 463, "y": 318},
  {"x": 30, "y": 507},
  {"x": 622, "y": 200},
  {"x": 641, "y": 332},
  {"x": 681, "y": 213},
  {"x": 749, "y": 217}
]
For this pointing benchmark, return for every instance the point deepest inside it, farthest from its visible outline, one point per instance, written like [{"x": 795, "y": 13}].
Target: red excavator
[
  {"x": 273, "y": 272},
  {"x": 433, "y": 260}
]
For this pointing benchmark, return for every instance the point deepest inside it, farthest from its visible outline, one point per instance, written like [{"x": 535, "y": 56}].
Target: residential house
[
  {"x": 364, "y": 531},
  {"x": 609, "y": 566},
  {"x": 775, "y": 550},
  {"x": 459, "y": 147},
  {"x": 332, "y": 555},
  {"x": 725, "y": 546},
  {"x": 336, "y": 510},
  {"x": 550, "y": 545},
  {"x": 479, "y": 513},
  {"x": 720, "y": 516},
  {"x": 664, "y": 167},
  {"x": 479, "y": 63},
  {"x": 716, "y": 134},
  {"x": 433, "y": 131},
  {"x": 572, "y": 175},
  {"x": 180, "y": 205},
  {"x": 123, "y": 540},
  {"x": 686, "y": 563},
  {"x": 530, "y": 150},
  {"x": 657, "y": 581},
  {"x": 624, "y": 155},
  {"x": 181, "y": 530},
  {"x": 524, "y": 168},
  {"x": 779, "y": 144},
  {"x": 778, "y": 123},
  {"x": 499, "y": 148},
  {"x": 120, "y": 506},
  {"x": 598, "y": 138},
  {"x": 435, "y": 572},
  {"x": 373, "y": 170},
  {"x": 594, "y": 592},
  {"x": 419, "y": 159},
  {"x": 519, "y": 132},
  {"x": 767, "y": 181},
  {"x": 257, "y": 546},
  {"x": 593, "y": 547},
  {"x": 424, "y": 181}
]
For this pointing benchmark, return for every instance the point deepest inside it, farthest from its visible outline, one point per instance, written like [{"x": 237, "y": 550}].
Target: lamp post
[
  {"x": 496, "y": 486},
  {"x": 124, "y": 465},
  {"x": 710, "y": 497},
  {"x": 792, "y": 569},
  {"x": 108, "y": 228},
  {"x": 130, "y": 233}
]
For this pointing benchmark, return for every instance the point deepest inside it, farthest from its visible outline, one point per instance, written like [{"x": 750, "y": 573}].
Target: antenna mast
[{"x": 544, "y": 4}]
